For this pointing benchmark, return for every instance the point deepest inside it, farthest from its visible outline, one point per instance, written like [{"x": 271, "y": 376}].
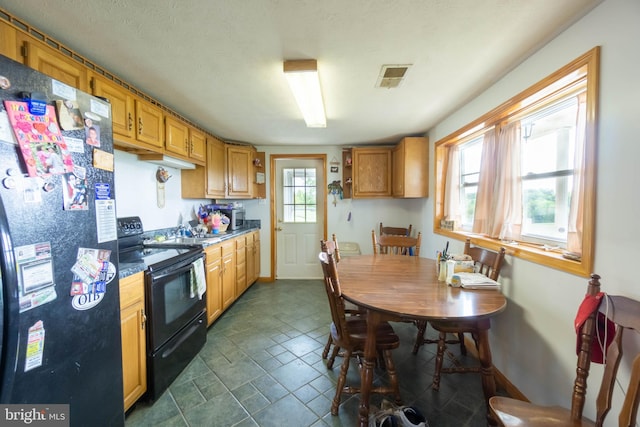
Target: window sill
[{"x": 529, "y": 252}]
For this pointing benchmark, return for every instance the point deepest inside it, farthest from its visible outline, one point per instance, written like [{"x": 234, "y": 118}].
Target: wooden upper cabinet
[
  {"x": 240, "y": 171},
  {"x": 177, "y": 136},
  {"x": 54, "y": 64},
  {"x": 122, "y": 105},
  {"x": 149, "y": 126},
  {"x": 371, "y": 172},
  {"x": 137, "y": 124},
  {"x": 184, "y": 140},
  {"x": 410, "y": 168},
  {"x": 9, "y": 42},
  {"x": 216, "y": 168},
  {"x": 197, "y": 145},
  {"x": 207, "y": 182}
]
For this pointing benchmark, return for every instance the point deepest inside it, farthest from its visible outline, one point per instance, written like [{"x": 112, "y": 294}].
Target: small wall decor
[
  {"x": 335, "y": 189},
  {"x": 162, "y": 176},
  {"x": 335, "y": 165}
]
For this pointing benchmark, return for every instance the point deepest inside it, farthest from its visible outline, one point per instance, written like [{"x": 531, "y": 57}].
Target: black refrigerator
[{"x": 60, "y": 325}]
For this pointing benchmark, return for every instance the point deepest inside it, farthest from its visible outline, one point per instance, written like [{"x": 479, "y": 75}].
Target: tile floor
[{"x": 262, "y": 366}]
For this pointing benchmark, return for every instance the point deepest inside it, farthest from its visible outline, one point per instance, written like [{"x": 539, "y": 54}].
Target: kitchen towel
[{"x": 198, "y": 282}]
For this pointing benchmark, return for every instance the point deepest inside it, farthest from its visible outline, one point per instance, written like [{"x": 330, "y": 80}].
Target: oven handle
[
  {"x": 192, "y": 329},
  {"x": 173, "y": 272}
]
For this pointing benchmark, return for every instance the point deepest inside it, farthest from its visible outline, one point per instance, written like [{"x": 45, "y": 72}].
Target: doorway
[{"x": 298, "y": 214}]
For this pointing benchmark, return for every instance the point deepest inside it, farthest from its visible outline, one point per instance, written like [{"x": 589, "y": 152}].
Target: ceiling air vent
[{"x": 392, "y": 75}]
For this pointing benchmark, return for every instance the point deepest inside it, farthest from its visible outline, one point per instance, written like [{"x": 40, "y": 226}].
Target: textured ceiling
[{"x": 219, "y": 62}]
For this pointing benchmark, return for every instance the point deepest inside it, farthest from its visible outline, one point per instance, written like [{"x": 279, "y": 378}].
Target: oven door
[{"x": 170, "y": 304}]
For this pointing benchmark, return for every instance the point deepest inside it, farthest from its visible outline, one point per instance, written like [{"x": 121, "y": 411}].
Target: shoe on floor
[
  {"x": 408, "y": 416},
  {"x": 382, "y": 418}
]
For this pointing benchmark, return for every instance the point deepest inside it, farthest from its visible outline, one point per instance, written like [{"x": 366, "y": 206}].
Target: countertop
[{"x": 127, "y": 269}]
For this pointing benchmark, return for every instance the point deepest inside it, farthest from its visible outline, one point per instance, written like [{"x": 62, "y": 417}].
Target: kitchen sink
[{"x": 180, "y": 240}]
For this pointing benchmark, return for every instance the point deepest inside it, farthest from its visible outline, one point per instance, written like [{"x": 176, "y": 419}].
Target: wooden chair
[
  {"x": 351, "y": 335},
  {"x": 398, "y": 231},
  {"x": 625, "y": 313},
  {"x": 395, "y": 244},
  {"x": 488, "y": 263},
  {"x": 350, "y": 310}
]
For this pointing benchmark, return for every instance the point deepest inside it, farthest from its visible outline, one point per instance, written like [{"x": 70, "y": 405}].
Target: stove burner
[{"x": 132, "y": 250}]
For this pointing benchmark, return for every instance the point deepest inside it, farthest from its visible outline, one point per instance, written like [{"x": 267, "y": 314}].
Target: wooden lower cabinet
[
  {"x": 213, "y": 259},
  {"x": 253, "y": 257},
  {"x": 241, "y": 265},
  {"x": 231, "y": 267},
  {"x": 134, "y": 344},
  {"x": 228, "y": 273}
]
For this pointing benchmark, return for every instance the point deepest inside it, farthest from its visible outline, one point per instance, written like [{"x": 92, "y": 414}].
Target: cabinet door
[
  {"x": 256, "y": 256},
  {"x": 397, "y": 158},
  {"x": 251, "y": 263},
  {"x": 371, "y": 172},
  {"x": 134, "y": 344},
  {"x": 216, "y": 168},
  {"x": 228, "y": 273},
  {"x": 149, "y": 124},
  {"x": 410, "y": 168},
  {"x": 241, "y": 266},
  {"x": 177, "y": 136},
  {"x": 214, "y": 283},
  {"x": 239, "y": 169},
  {"x": 55, "y": 64},
  {"x": 122, "y": 105},
  {"x": 9, "y": 42},
  {"x": 197, "y": 146}
]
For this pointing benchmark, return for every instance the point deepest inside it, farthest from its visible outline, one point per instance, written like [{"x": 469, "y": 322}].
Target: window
[
  {"x": 523, "y": 175},
  {"x": 299, "y": 195},
  {"x": 469, "y": 174}
]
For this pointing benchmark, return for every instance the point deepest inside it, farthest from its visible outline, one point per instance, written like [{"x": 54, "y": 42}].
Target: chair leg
[
  {"x": 327, "y": 347},
  {"x": 439, "y": 359},
  {"x": 422, "y": 329},
  {"x": 334, "y": 354},
  {"x": 342, "y": 378},
  {"x": 393, "y": 377},
  {"x": 463, "y": 348}
]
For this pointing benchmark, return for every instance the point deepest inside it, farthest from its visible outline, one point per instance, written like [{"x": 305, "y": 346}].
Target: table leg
[
  {"x": 366, "y": 376},
  {"x": 488, "y": 380}
]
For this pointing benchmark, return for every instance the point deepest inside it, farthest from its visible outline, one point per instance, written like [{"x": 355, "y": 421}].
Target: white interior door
[{"x": 300, "y": 208}]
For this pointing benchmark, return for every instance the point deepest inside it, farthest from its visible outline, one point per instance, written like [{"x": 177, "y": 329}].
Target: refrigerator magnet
[
  {"x": 35, "y": 346},
  {"x": 102, "y": 160}
]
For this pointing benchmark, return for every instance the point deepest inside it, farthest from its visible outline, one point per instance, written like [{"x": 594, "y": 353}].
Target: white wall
[
  {"x": 135, "y": 183},
  {"x": 533, "y": 341},
  {"x": 365, "y": 214}
]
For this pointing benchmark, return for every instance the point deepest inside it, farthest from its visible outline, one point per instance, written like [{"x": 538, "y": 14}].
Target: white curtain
[
  {"x": 508, "y": 185},
  {"x": 452, "y": 185},
  {"x": 576, "y": 209},
  {"x": 484, "y": 209}
]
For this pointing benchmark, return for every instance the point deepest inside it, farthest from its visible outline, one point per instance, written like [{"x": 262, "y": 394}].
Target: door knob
[{"x": 278, "y": 228}]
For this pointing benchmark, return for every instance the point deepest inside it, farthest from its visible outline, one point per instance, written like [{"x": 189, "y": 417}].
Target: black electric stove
[{"x": 132, "y": 250}]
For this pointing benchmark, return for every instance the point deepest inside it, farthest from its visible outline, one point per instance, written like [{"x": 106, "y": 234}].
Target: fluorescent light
[{"x": 304, "y": 82}]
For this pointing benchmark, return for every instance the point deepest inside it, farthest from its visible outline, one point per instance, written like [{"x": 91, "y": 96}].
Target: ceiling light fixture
[{"x": 303, "y": 79}]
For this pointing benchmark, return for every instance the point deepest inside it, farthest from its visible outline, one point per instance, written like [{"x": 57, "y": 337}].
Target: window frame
[{"x": 533, "y": 252}]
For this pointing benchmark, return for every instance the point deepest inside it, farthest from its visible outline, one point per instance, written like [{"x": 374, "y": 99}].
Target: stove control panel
[{"x": 129, "y": 226}]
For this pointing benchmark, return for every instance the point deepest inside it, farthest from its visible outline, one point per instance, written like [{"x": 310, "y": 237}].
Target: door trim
[{"x": 272, "y": 196}]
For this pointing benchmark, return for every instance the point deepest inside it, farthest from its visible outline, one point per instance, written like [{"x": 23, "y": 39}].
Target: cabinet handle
[
  {"x": 140, "y": 125},
  {"x": 144, "y": 319},
  {"x": 130, "y": 122}
]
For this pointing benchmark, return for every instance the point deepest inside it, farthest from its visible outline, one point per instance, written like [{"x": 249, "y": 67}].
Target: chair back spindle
[{"x": 389, "y": 244}]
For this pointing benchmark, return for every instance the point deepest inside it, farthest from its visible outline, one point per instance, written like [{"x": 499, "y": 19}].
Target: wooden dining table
[{"x": 396, "y": 287}]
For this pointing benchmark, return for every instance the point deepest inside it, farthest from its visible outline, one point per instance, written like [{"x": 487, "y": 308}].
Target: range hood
[{"x": 164, "y": 160}]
